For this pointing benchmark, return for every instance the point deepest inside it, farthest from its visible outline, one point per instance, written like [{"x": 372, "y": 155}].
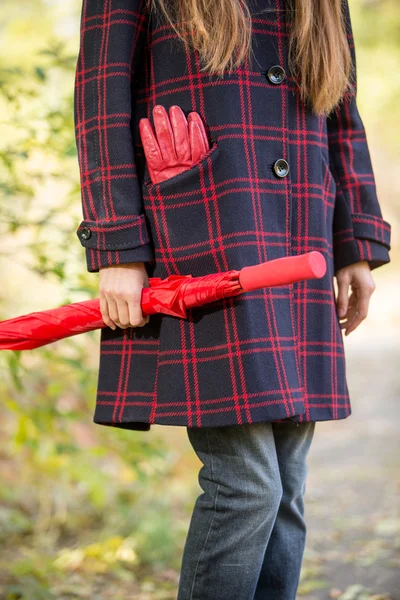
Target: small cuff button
[{"x": 85, "y": 233}]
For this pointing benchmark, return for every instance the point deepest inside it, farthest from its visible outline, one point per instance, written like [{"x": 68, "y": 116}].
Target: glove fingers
[
  {"x": 199, "y": 140},
  {"x": 151, "y": 148},
  {"x": 181, "y": 134},
  {"x": 197, "y": 144},
  {"x": 164, "y": 134}
]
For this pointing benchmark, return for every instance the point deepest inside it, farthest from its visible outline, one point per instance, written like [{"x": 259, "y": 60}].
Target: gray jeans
[{"x": 247, "y": 532}]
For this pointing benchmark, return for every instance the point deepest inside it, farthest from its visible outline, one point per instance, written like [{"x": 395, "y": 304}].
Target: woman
[{"x": 288, "y": 171}]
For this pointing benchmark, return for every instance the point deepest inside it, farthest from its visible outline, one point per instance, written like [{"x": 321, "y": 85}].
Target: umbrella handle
[{"x": 283, "y": 271}]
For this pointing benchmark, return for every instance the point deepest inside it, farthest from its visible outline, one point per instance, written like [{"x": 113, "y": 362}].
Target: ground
[{"x": 353, "y": 508}]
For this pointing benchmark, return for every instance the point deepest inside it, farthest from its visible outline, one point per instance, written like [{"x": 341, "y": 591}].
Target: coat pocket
[
  {"x": 183, "y": 177},
  {"x": 329, "y": 182},
  {"x": 329, "y": 191},
  {"x": 181, "y": 215}
]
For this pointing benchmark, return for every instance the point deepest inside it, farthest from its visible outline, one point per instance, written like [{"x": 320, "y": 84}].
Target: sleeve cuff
[
  {"x": 354, "y": 251},
  {"x": 109, "y": 243},
  {"x": 119, "y": 234},
  {"x": 369, "y": 240},
  {"x": 98, "y": 259},
  {"x": 371, "y": 227}
]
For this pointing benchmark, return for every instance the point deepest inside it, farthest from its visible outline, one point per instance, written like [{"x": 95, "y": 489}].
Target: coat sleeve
[
  {"x": 359, "y": 231},
  {"x": 112, "y": 41}
]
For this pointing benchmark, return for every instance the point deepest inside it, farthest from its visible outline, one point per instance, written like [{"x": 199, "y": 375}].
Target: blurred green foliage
[
  {"x": 77, "y": 501},
  {"x": 85, "y": 510}
]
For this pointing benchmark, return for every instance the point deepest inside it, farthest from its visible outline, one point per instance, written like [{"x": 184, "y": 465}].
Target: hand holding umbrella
[
  {"x": 171, "y": 296},
  {"x": 178, "y": 148}
]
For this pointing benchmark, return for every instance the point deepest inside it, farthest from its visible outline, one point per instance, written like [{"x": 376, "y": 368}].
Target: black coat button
[
  {"x": 281, "y": 167},
  {"x": 276, "y": 74},
  {"x": 85, "y": 233}
]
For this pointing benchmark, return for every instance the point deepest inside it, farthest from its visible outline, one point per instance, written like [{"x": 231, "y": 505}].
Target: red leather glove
[{"x": 177, "y": 145}]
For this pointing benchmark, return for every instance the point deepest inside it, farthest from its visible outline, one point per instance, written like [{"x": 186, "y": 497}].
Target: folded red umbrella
[{"x": 171, "y": 296}]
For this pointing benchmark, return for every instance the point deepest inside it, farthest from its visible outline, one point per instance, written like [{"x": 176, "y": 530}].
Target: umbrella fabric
[{"x": 171, "y": 296}]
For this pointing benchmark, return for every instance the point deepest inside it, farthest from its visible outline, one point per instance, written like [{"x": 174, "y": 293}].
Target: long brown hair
[{"x": 319, "y": 58}]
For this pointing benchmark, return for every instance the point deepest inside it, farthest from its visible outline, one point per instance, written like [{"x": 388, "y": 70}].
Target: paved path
[{"x": 353, "y": 507}]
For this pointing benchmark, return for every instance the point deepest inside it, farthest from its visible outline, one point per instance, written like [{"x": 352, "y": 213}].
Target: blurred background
[{"x": 94, "y": 512}]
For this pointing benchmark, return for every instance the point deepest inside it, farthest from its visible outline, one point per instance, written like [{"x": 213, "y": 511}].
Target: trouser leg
[
  {"x": 233, "y": 518},
  {"x": 280, "y": 571}
]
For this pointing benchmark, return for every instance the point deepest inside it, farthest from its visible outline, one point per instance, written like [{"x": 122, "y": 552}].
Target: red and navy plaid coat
[{"x": 277, "y": 181}]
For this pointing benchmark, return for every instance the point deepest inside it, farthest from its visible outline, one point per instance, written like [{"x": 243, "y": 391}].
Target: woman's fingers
[
  {"x": 105, "y": 313},
  {"x": 136, "y": 315},
  {"x": 122, "y": 317},
  {"x": 120, "y": 294},
  {"x": 113, "y": 310},
  {"x": 363, "y": 295},
  {"x": 342, "y": 297},
  {"x": 125, "y": 312},
  {"x": 355, "y": 308}
]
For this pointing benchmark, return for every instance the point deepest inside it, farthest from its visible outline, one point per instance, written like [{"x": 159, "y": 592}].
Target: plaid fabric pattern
[{"x": 266, "y": 355}]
